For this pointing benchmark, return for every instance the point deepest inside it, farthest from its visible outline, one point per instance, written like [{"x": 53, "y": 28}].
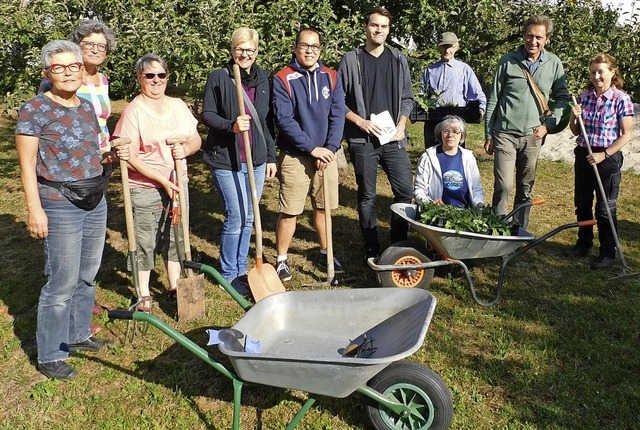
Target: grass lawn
[{"x": 561, "y": 350}]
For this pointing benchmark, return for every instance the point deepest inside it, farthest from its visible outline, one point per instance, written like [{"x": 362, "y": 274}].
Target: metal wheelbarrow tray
[
  {"x": 405, "y": 264},
  {"x": 462, "y": 245},
  {"x": 302, "y": 335},
  {"x": 315, "y": 341}
]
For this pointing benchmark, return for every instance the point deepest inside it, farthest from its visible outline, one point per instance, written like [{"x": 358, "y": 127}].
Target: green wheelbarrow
[{"x": 332, "y": 343}]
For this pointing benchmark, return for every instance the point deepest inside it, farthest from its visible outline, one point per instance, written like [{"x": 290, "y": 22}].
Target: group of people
[
  {"x": 518, "y": 118},
  {"x": 304, "y": 110}
]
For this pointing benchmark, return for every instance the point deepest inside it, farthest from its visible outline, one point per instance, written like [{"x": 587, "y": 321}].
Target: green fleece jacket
[{"x": 511, "y": 106}]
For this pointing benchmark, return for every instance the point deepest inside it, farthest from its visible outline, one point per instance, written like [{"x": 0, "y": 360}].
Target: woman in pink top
[{"x": 149, "y": 121}]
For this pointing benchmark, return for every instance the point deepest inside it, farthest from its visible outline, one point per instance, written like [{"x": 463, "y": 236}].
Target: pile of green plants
[{"x": 474, "y": 220}]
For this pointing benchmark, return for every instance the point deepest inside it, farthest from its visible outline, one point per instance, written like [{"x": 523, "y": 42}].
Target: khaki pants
[{"x": 520, "y": 154}]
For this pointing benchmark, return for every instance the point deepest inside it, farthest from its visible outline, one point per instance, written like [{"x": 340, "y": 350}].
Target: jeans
[
  {"x": 586, "y": 186},
  {"x": 235, "y": 192},
  {"x": 72, "y": 252},
  {"x": 396, "y": 164},
  {"x": 519, "y": 153}
]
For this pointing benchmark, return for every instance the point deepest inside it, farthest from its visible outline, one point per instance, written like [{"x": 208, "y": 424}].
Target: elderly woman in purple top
[
  {"x": 57, "y": 139},
  {"x": 607, "y": 113}
]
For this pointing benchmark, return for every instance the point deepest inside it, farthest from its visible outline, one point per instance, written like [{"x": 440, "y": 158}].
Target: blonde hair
[{"x": 244, "y": 34}]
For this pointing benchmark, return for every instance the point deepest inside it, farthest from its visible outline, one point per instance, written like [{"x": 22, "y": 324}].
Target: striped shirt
[
  {"x": 98, "y": 95},
  {"x": 602, "y": 116}
]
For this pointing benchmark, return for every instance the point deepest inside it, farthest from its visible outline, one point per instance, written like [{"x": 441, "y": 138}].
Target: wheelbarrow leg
[
  {"x": 305, "y": 408},
  {"x": 237, "y": 394}
]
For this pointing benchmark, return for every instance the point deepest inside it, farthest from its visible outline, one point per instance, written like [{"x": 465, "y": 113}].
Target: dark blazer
[{"x": 219, "y": 113}]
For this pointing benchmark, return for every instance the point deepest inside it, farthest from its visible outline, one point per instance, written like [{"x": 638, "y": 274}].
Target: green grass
[{"x": 561, "y": 350}]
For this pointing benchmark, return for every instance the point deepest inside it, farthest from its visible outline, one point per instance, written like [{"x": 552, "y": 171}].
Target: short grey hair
[
  {"x": 451, "y": 120},
  {"x": 147, "y": 59},
  {"x": 539, "y": 20},
  {"x": 87, "y": 27},
  {"x": 57, "y": 47}
]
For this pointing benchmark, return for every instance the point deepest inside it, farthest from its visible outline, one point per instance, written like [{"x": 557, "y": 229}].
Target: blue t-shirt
[{"x": 455, "y": 190}]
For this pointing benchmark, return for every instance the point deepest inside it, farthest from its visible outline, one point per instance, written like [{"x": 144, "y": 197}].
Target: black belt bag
[{"x": 85, "y": 193}]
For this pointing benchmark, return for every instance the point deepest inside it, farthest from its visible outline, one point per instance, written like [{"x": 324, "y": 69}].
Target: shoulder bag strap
[
  {"x": 254, "y": 113},
  {"x": 541, "y": 101}
]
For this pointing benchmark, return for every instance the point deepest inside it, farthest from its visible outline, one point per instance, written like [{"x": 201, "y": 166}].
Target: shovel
[
  {"x": 190, "y": 294},
  {"x": 332, "y": 279},
  {"x": 263, "y": 279},
  {"x": 604, "y": 199}
]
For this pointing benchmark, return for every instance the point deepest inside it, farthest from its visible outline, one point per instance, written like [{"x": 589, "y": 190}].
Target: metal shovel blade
[
  {"x": 190, "y": 297},
  {"x": 264, "y": 281}
]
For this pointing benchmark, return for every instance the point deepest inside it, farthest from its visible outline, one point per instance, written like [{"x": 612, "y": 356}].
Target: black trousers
[
  {"x": 396, "y": 164},
  {"x": 586, "y": 186}
]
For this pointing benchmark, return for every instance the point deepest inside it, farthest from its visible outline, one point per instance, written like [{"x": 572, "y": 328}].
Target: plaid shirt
[{"x": 602, "y": 116}]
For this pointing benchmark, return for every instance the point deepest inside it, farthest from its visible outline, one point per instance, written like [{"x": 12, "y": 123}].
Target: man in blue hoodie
[{"x": 308, "y": 107}]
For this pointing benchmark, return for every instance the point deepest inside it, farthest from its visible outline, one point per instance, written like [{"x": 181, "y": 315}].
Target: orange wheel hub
[{"x": 407, "y": 278}]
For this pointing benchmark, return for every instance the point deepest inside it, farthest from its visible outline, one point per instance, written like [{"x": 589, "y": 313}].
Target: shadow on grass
[{"x": 179, "y": 370}]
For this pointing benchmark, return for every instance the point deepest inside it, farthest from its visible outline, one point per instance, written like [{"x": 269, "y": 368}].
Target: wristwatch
[{"x": 606, "y": 154}]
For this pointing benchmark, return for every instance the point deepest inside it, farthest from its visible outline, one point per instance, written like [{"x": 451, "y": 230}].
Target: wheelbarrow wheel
[
  {"x": 400, "y": 254},
  {"x": 419, "y": 388}
]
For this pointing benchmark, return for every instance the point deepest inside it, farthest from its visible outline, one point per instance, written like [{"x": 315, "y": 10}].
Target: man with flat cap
[{"x": 451, "y": 81}]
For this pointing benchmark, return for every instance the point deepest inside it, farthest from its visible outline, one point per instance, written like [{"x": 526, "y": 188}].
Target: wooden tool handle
[
  {"x": 126, "y": 195},
  {"x": 252, "y": 179},
  {"x": 184, "y": 217}
]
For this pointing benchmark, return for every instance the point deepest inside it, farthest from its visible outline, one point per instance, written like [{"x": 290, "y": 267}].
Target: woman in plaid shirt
[{"x": 607, "y": 113}]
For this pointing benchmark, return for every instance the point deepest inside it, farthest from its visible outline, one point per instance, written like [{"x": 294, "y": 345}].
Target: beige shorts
[{"x": 299, "y": 178}]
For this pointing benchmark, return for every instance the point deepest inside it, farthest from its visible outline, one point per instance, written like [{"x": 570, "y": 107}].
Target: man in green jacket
[{"x": 515, "y": 126}]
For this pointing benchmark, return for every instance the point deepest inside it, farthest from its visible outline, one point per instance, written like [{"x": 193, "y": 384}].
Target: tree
[{"x": 193, "y": 36}]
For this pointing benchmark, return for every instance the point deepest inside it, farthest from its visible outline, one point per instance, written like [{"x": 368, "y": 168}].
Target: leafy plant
[{"x": 473, "y": 220}]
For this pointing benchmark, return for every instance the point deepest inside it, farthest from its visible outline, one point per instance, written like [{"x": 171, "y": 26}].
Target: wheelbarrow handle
[
  {"x": 120, "y": 314},
  {"x": 587, "y": 223},
  {"x": 192, "y": 265}
]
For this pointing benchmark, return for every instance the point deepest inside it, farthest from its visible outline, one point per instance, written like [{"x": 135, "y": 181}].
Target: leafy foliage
[
  {"x": 473, "y": 220},
  {"x": 194, "y": 36}
]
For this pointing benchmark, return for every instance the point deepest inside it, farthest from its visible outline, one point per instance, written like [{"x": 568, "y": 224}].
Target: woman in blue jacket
[{"x": 224, "y": 148}]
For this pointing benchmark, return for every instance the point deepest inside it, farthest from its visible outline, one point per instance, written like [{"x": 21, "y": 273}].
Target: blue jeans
[
  {"x": 396, "y": 164},
  {"x": 72, "y": 252},
  {"x": 235, "y": 192}
]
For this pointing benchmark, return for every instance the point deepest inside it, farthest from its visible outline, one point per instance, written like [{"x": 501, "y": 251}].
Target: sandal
[{"x": 144, "y": 304}]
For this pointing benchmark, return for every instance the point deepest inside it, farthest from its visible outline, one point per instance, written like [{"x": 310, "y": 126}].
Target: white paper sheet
[{"x": 386, "y": 123}]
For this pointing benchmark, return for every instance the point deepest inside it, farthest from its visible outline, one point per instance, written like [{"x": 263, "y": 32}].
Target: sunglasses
[{"x": 151, "y": 76}]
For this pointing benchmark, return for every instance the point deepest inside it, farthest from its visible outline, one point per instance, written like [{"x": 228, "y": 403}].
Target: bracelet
[{"x": 606, "y": 154}]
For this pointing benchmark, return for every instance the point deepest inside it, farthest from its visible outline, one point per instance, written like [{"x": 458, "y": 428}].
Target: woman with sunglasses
[
  {"x": 151, "y": 121},
  {"x": 447, "y": 173},
  {"x": 62, "y": 168},
  {"x": 224, "y": 148}
]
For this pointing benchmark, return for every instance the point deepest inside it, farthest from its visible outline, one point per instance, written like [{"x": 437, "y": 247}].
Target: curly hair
[{"x": 91, "y": 26}]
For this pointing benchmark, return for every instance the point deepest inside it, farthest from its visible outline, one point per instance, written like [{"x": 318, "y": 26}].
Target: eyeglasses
[
  {"x": 249, "y": 51},
  {"x": 102, "y": 47},
  {"x": 151, "y": 76},
  {"x": 454, "y": 132},
  {"x": 58, "y": 69},
  {"x": 305, "y": 47}
]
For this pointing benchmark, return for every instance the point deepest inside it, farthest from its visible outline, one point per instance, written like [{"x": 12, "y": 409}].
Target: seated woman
[
  {"x": 447, "y": 173},
  {"x": 149, "y": 121}
]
